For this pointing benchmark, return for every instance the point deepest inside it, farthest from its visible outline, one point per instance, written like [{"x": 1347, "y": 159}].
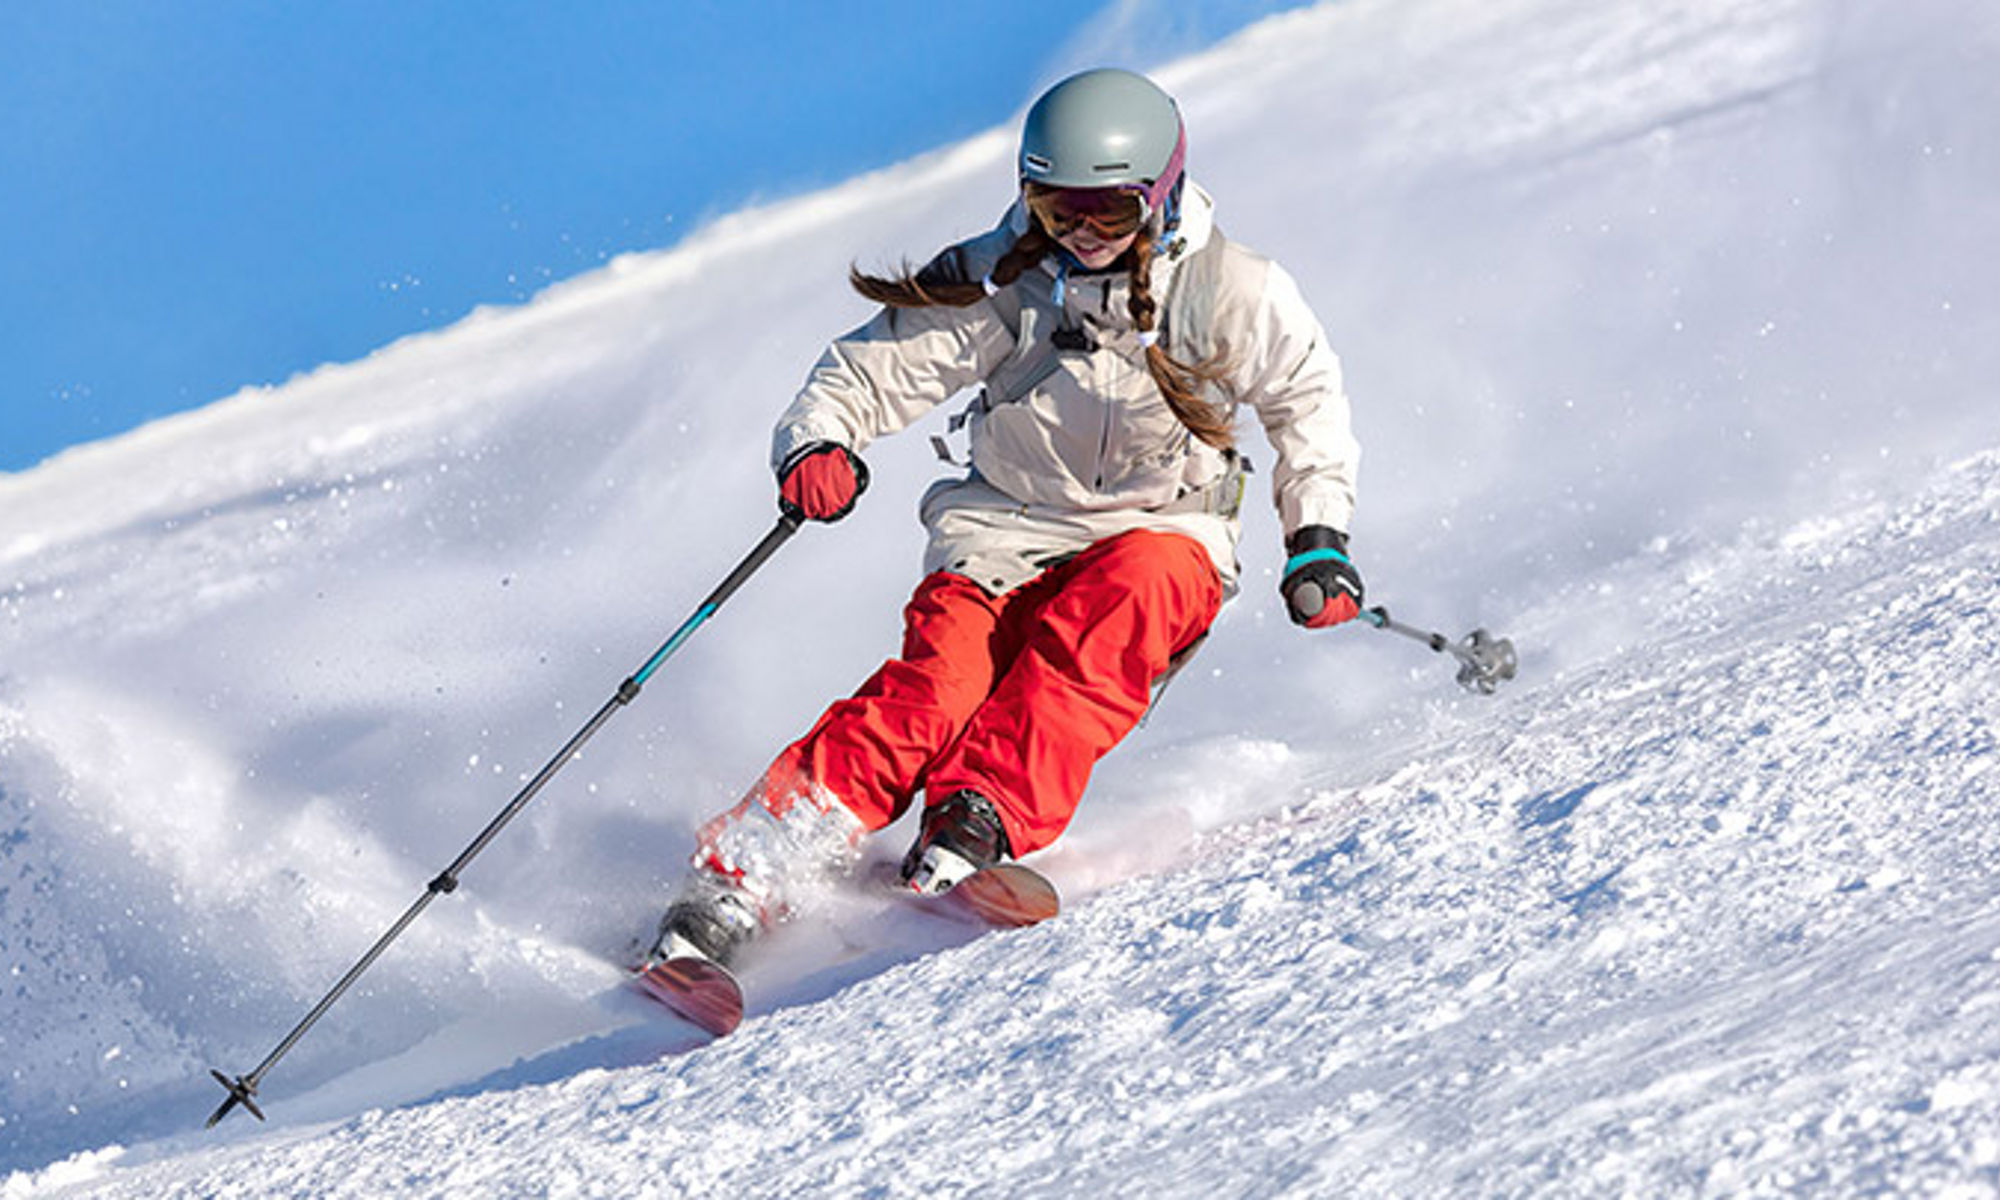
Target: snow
[{"x": 1671, "y": 331}]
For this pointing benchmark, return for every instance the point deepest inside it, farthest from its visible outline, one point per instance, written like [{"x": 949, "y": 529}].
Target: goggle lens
[{"x": 1110, "y": 213}]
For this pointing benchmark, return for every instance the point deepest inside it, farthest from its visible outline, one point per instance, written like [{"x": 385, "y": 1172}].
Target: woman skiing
[{"x": 1113, "y": 334}]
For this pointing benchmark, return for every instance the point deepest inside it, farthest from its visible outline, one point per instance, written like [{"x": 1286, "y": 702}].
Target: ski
[
  {"x": 698, "y": 991},
  {"x": 1005, "y": 895},
  {"x": 705, "y": 994}
]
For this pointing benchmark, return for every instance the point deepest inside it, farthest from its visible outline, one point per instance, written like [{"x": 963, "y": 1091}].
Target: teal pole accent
[{"x": 665, "y": 652}]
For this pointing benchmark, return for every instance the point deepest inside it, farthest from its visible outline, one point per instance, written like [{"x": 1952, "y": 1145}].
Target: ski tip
[
  {"x": 700, "y": 992},
  {"x": 1008, "y": 895}
]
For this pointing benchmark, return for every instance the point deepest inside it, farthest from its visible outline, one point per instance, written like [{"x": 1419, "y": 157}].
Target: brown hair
[{"x": 1180, "y": 384}]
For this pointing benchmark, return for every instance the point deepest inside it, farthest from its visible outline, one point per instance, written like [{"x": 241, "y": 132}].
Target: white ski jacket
[{"x": 1071, "y": 441}]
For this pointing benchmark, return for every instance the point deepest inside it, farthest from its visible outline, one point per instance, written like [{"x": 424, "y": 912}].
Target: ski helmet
[{"x": 1106, "y": 128}]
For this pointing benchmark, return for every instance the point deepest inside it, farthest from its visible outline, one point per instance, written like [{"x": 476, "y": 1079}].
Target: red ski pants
[{"x": 1014, "y": 696}]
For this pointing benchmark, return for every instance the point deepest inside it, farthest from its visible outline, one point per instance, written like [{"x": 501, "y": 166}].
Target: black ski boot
[
  {"x": 959, "y": 837},
  {"x": 712, "y": 918}
]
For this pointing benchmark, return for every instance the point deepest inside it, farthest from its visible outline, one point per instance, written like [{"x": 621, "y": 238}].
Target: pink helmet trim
[{"x": 1160, "y": 190}]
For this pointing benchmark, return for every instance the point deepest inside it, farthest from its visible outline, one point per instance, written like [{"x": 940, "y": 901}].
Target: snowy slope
[
  {"x": 1699, "y": 920},
  {"x": 1671, "y": 331}
]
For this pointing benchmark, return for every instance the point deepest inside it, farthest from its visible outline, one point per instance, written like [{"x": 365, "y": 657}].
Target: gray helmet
[{"x": 1105, "y": 128}]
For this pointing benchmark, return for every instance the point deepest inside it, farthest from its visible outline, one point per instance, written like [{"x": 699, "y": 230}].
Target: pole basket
[
  {"x": 241, "y": 1091},
  {"x": 1486, "y": 662}
]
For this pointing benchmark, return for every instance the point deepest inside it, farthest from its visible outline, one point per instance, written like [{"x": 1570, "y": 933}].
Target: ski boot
[
  {"x": 712, "y": 918},
  {"x": 688, "y": 969},
  {"x": 960, "y": 837}
]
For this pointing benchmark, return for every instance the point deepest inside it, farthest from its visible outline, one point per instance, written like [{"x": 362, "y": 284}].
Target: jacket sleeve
[
  {"x": 889, "y": 372},
  {"x": 1291, "y": 377}
]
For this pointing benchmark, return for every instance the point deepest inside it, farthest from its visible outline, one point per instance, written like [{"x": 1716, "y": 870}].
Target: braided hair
[{"x": 1181, "y": 384}]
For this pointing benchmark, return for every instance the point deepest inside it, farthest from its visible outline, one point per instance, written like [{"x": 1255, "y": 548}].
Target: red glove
[{"x": 821, "y": 482}]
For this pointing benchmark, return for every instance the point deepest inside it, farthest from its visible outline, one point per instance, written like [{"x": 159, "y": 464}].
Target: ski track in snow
[{"x": 1663, "y": 371}]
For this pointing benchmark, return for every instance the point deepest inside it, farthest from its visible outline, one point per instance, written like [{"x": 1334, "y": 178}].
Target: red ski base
[
  {"x": 1008, "y": 895},
  {"x": 697, "y": 990}
]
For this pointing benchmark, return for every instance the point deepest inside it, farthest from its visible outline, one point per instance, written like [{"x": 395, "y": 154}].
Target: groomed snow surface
[{"x": 1671, "y": 331}]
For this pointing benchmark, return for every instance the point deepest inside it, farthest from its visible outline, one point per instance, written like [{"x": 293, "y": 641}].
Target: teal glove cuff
[{"x": 1327, "y": 554}]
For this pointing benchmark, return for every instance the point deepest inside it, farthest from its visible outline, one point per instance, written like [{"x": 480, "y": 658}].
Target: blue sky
[{"x": 204, "y": 195}]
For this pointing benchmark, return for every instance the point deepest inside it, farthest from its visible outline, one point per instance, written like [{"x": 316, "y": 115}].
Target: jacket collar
[{"x": 1191, "y": 233}]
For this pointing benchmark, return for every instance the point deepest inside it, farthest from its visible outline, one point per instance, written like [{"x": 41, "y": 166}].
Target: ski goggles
[{"x": 1109, "y": 212}]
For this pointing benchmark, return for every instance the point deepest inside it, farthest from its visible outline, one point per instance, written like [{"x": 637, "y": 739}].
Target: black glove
[{"x": 1321, "y": 586}]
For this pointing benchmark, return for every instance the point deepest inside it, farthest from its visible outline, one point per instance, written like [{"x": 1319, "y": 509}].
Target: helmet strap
[{"x": 1170, "y": 219}]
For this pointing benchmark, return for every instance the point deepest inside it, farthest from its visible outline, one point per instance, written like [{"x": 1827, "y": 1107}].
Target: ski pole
[
  {"x": 243, "y": 1088},
  {"x": 1484, "y": 661}
]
